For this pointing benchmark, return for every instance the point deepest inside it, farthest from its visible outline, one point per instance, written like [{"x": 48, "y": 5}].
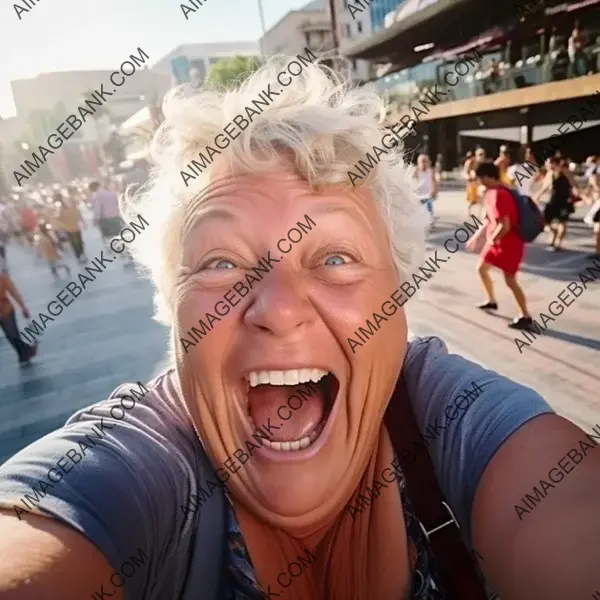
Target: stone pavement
[
  {"x": 107, "y": 337},
  {"x": 562, "y": 364},
  {"x": 104, "y": 338}
]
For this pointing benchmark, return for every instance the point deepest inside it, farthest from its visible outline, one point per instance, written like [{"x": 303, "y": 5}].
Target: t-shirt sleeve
[
  {"x": 468, "y": 412},
  {"x": 116, "y": 477}
]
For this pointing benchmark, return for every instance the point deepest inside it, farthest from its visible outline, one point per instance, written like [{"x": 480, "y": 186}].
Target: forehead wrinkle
[
  {"x": 360, "y": 209},
  {"x": 195, "y": 211},
  {"x": 194, "y": 207}
]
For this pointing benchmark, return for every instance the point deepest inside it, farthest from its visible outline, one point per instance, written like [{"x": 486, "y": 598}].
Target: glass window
[{"x": 380, "y": 8}]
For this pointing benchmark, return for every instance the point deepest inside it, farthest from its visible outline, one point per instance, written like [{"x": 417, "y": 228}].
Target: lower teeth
[{"x": 294, "y": 445}]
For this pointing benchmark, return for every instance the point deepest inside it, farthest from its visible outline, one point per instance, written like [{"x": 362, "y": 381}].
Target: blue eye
[
  {"x": 220, "y": 263},
  {"x": 335, "y": 259}
]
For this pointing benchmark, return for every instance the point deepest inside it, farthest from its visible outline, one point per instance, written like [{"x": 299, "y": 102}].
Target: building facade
[
  {"x": 353, "y": 26},
  {"x": 43, "y": 102},
  {"x": 308, "y": 27},
  {"x": 501, "y": 78},
  {"x": 198, "y": 58},
  {"x": 41, "y": 98},
  {"x": 189, "y": 62}
]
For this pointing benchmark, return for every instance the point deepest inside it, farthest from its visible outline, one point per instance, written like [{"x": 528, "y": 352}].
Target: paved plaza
[
  {"x": 104, "y": 338},
  {"x": 107, "y": 336}
]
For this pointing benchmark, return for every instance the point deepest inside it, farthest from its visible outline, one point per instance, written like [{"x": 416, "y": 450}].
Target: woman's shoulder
[
  {"x": 466, "y": 412},
  {"x": 139, "y": 427},
  {"x": 121, "y": 472}
]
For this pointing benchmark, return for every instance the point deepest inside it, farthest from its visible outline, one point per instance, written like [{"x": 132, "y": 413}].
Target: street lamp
[{"x": 262, "y": 25}]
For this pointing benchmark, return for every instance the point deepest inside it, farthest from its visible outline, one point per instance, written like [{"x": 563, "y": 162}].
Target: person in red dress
[{"x": 503, "y": 247}]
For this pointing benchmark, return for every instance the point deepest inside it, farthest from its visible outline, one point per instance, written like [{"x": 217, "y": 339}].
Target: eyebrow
[
  {"x": 210, "y": 214},
  {"x": 326, "y": 208}
]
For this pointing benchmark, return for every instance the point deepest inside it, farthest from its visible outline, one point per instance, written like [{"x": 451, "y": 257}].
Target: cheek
[
  {"x": 346, "y": 309},
  {"x": 198, "y": 322}
]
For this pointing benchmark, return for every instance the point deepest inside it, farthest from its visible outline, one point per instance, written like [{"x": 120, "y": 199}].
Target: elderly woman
[{"x": 280, "y": 457}]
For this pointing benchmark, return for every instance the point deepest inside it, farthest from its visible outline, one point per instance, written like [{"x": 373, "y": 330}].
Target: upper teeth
[{"x": 285, "y": 377}]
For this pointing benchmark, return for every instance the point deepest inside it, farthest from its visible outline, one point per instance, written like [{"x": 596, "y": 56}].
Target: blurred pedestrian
[
  {"x": 69, "y": 219},
  {"x": 522, "y": 174},
  {"x": 8, "y": 319},
  {"x": 576, "y": 42},
  {"x": 503, "y": 247},
  {"x": 470, "y": 164},
  {"x": 561, "y": 184},
  {"x": 503, "y": 164},
  {"x": 593, "y": 197},
  {"x": 439, "y": 166},
  {"x": 105, "y": 206},
  {"x": 29, "y": 222},
  {"x": 49, "y": 249},
  {"x": 591, "y": 164},
  {"x": 427, "y": 186}
]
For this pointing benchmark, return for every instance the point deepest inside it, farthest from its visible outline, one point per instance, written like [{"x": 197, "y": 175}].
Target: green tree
[{"x": 229, "y": 72}]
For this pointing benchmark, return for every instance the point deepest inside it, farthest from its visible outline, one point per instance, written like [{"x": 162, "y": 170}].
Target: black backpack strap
[
  {"x": 438, "y": 522},
  {"x": 207, "y": 568}
]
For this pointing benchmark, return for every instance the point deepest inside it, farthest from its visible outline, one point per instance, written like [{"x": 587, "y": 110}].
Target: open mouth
[{"x": 297, "y": 403}]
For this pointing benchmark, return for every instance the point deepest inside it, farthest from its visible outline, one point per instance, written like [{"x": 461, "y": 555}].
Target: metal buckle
[{"x": 435, "y": 529}]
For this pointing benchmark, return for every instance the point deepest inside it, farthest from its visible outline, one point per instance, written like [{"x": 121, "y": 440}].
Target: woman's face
[{"x": 293, "y": 325}]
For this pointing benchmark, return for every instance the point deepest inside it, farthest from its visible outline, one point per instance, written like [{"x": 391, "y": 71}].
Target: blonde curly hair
[{"x": 324, "y": 124}]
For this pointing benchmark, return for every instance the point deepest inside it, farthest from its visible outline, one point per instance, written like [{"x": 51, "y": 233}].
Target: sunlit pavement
[
  {"x": 563, "y": 363},
  {"x": 107, "y": 337},
  {"x": 104, "y": 338}
]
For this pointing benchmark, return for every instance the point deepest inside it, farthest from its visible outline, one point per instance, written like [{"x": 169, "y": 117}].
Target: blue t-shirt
[{"x": 122, "y": 471}]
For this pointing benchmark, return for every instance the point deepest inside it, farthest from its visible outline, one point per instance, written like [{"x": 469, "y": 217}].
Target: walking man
[
  {"x": 8, "y": 320},
  {"x": 503, "y": 247},
  {"x": 105, "y": 206},
  {"x": 69, "y": 220}
]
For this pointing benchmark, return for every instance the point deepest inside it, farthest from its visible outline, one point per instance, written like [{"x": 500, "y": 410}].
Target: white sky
[{"x": 63, "y": 35}]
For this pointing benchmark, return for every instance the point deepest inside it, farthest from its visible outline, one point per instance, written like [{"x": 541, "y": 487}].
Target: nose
[{"x": 281, "y": 307}]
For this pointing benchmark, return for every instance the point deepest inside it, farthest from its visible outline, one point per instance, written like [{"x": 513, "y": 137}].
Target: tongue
[{"x": 265, "y": 400}]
